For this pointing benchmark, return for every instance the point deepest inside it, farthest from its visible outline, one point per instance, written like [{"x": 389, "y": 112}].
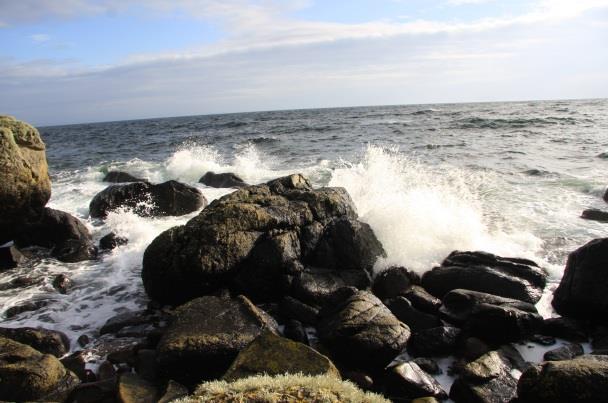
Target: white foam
[{"x": 421, "y": 213}]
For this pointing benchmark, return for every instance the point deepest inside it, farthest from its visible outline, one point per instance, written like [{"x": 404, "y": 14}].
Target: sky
[{"x": 70, "y": 61}]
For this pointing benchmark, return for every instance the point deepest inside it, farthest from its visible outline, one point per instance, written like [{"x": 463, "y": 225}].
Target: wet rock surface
[
  {"x": 170, "y": 198},
  {"x": 121, "y": 177},
  {"x": 112, "y": 241},
  {"x": 407, "y": 381},
  {"x": 67, "y": 237},
  {"x": 10, "y": 257},
  {"x": 43, "y": 340},
  {"x": 260, "y": 237},
  {"x": 478, "y": 271}
]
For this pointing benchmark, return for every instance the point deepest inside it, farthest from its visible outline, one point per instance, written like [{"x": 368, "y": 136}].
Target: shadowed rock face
[
  {"x": 583, "y": 290},
  {"x": 362, "y": 331},
  {"x": 258, "y": 240},
  {"x": 206, "y": 336},
  {"x": 25, "y": 186}
]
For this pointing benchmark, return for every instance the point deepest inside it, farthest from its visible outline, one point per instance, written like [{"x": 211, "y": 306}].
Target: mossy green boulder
[
  {"x": 282, "y": 388},
  {"x": 27, "y": 374},
  {"x": 275, "y": 355},
  {"x": 25, "y": 185}
]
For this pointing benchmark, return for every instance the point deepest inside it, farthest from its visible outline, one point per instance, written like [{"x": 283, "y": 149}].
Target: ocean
[{"x": 508, "y": 178}]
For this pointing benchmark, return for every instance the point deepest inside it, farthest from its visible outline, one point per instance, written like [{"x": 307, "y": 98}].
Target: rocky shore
[{"x": 269, "y": 294}]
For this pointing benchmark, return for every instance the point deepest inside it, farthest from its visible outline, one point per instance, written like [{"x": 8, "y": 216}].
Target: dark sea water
[{"x": 509, "y": 178}]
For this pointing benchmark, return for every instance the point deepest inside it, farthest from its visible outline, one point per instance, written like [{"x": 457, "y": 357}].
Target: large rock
[
  {"x": 583, "y": 289},
  {"x": 206, "y": 336},
  {"x": 66, "y": 236},
  {"x": 257, "y": 239},
  {"x": 595, "y": 215},
  {"x": 492, "y": 318},
  {"x": 274, "y": 355},
  {"x": 362, "y": 331},
  {"x": 170, "y": 198},
  {"x": 133, "y": 389},
  {"x": 393, "y": 282},
  {"x": 478, "y": 271},
  {"x": 44, "y": 340},
  {"x": 434, "y": 342},
  {"x": 489, "y": 379},
  {"x": 25, "y": 186},
  {"x": 583, "y": 379},
  {"x": 26, "y": 374},
  {"x": 416, "y": 320},
  {"x": 223, "y": 180}
]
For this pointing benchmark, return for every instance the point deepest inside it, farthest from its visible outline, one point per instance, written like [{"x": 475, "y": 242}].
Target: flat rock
[
  {"x": 222, "y": 180},
  {"x": 493, "y": 318},
  {"x": 134, "y": 389},
  {"x": 361, "y": 330},
  {"x": 274, "y": 355},
  {"x": 595, "y": 215},
  {"x": 513, "y": 278},
  {"x": 565, "y": 328},
  {"x": 206, "y": 336}
]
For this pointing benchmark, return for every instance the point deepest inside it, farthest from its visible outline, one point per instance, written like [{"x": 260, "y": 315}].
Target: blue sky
[{"x": 64, "y": 61}]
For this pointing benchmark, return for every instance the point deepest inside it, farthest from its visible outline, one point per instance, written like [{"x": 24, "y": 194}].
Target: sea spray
[{"x": 421, "y": 213}]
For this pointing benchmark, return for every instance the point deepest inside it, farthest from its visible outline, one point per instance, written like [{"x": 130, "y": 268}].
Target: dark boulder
[
  {"x": 490, "y": 317},
  {"x": 257, "y": 239},
  {"x": 128, "y": 319},
  {"x": 605, "y": 197},
  {"x": 407, "y": 381},
  {"x": 28, "y": 375},
  {"x": 428, "y": 365},
  {"x": 565, "y": 352},
  {"x": 393, "y": 282},
  {"x": 362, "y": 331},
  {"x": 44, "y": 340},
  {"x": 131, "y": 388},
  {"x": 479, "y": 271},
  {"x": 565, "y": 328},
  {"x": 416, "y": 320},
  {"x": 488, "y": 379},
  {"x": 274, "y": 355},
  {"x": 206, "y": 336},
  {"x": 582, "y": 291},
  {"x": 292, "y": 308},
  {"x": 10, "y": 257},
  {"x": 25, "y": 185},
  {"x": 67, "y": 237},
  {"x": 295, "y": 331},
  {"x": 583, "y": 379},
  {"x": 173, "y": 391},
  {"x": 94, "y": 392},
  {"x": 222, "y": 180},
  {"x": 595, "y": 215},
  {"x": 112, "y": 241},
  {"x": 435, "y": 342},
  {"x": 121, "y": 177},
  {"x": 170, "y": 198}
]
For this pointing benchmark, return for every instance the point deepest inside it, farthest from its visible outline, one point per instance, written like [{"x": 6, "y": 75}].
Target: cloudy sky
[{"x": 67, "y": 61}]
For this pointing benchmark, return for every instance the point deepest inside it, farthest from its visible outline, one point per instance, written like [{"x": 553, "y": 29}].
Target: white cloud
[
  {"x": 464, "y": 2},
  {"x": 40, "y": 38}
]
